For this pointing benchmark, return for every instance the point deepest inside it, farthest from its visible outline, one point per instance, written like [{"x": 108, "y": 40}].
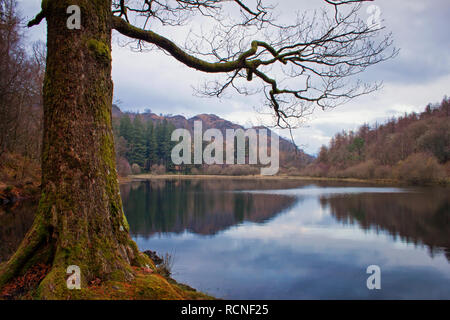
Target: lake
[{"x": 286, "y": 239}]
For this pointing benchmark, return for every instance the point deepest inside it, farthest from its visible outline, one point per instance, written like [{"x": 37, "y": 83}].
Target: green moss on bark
[{"x": 100, "y": 50}]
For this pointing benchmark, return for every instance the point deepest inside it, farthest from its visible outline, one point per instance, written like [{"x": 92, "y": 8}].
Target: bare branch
[
  {"x": 310, "y": 63},
  {"x": 37, "y": 20}
]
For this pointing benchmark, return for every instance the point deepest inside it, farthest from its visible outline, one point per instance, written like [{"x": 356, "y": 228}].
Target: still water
[{"x": 255, "y": 239}]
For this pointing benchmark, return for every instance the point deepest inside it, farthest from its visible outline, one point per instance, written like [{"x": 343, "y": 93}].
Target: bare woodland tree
[
  {"x": 20, "y": 87},
  {"x": 80, "y": 220}
]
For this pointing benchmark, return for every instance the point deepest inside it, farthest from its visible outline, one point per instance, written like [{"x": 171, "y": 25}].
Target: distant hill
[
  {"x": 290, "y": 155},
  {"x": 414, "y": 148}
]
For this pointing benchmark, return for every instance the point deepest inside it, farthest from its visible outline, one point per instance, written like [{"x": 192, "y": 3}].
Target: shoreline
[
  {"x": 14, "y": 194},
  {"x": 145, "y": 177},
  {"x": 387, "y": 182}
]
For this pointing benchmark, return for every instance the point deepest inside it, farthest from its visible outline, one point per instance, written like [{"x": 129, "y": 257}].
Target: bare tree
[
  {"x": 80, "y": 220},
  {"x": 311, "y": 62},
  {"x": 20, "y": 87}
]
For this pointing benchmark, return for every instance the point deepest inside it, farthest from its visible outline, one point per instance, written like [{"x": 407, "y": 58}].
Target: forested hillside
[
  {"x": 143, "y": 144},
  {"x": 414, "y": 148},
  {"x": 146, "y": 145}
]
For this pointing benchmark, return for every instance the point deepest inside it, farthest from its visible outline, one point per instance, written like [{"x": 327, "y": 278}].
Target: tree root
[{"x": 33, "y": 250}]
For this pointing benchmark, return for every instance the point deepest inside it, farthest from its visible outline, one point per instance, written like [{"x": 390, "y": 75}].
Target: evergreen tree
[
  {"x": 125, "y": 127},
  {"x": 169, "y": 144},
  {"x": 138, "y": 143},
  {"x": 151, "y": 145},
  {"x": 160, "y": 140}
]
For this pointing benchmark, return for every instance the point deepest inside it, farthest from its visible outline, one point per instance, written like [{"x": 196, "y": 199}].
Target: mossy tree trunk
[{"x": 80, "y": 220}]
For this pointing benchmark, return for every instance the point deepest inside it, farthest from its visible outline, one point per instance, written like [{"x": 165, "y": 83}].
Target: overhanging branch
[
  {"x": 131, "y": 31},
  {"x": 320, "y": 53},
  {"x": 37, "y": 20}
]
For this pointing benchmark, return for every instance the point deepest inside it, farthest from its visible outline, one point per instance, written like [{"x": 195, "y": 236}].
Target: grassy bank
[{"x": 277, "y": 177}]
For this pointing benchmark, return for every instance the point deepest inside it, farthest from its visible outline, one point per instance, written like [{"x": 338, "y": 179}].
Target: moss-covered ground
[{"x": 148, "y": 284}]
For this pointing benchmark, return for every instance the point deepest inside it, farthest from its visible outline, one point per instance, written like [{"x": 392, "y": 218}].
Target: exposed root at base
[{"x": 147, "y": 285}]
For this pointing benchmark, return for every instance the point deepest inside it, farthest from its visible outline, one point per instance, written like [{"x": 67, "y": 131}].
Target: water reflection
[
  {"x": 15, "y": 221},
  {"x": 255, "y": 239},
  {"x": 296, "y": 240},
  {"x": 204, "y": 208},
  {"x": 421, "y": 218}
]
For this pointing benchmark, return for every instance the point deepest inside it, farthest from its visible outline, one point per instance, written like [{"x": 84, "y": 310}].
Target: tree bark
[{"x": 80, "y": 219}]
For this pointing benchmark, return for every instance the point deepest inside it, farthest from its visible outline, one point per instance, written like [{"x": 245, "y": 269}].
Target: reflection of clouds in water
[
  {"x": 317, "y": 248},
  {"x": 314, "y": 191},
  {"x": 336, "y": 240},
  {"x": 304, "y": 229},
  {"x": 305, "y": 266},
  {"x": 174, "y": 207}
]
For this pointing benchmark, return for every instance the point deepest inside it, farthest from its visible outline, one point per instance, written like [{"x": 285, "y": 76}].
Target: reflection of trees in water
[
  {"x": 237, "y": 184},
  {"x": 419, "y": 218},
  {"x": 14, "y": 224},
  {"x": 201, "y": 207}
]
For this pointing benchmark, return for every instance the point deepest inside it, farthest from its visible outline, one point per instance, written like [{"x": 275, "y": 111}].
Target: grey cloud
[{"x": 420, "y": 73}]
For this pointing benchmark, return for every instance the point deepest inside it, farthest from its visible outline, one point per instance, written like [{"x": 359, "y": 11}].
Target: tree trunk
[{"x": 80, "y": 219}]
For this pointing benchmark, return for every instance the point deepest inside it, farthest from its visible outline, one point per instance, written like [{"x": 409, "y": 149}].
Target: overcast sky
[{"x": 418, "y": 75}]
